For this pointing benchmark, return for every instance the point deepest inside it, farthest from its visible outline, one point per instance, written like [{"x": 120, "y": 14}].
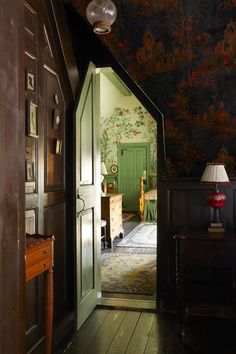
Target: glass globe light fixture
[{"x": 101, "y": 14}]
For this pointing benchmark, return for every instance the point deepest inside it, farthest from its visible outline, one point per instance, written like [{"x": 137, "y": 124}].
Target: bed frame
[{"x": 144, "y": 196}]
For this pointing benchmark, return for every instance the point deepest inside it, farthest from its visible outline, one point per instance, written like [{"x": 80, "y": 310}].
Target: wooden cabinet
[
  {"x": 200, "y": 251},
  {"x": 111, "y": 211}
]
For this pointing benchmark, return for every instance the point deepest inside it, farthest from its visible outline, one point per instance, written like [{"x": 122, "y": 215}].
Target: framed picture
[
  {"x": 29, "y": 171},
  {"x": 56, "y": 119},
  {"x": 30, "y": 81},
  {"x": 58, "y": 146},
  {"x": 32, "y": 120},
  {"x": 114, "y": 169}
]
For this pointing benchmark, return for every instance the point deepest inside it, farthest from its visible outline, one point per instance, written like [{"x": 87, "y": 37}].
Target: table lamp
[
  {"x": 215, "y": 173},
  {"x": 103, "y": 183}
]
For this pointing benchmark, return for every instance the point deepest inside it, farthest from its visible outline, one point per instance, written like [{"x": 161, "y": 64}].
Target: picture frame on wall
[
  {"x": 30, "y": 81},
  {"x": 29, "y": 171},
  {"x": 56, "y": 119},
  {"x": 58, "y": 146},
  {"x": 32, "y": 119}
]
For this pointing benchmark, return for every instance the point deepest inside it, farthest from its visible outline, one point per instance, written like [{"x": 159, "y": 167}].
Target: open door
[{"x": 88, "y": 228}]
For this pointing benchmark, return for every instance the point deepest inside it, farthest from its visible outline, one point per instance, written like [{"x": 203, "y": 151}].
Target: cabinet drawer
[
  {"x": 38, "y": 268},
  {"x": 116, "y": 199},
  {"x": 39, "y": 254}
]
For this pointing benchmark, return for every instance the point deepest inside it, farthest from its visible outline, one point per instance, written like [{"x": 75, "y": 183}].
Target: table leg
[{"x": 49, "y": 310}]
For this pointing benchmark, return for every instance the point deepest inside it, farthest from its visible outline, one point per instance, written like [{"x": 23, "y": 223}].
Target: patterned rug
[
  {"x": 144, "y": 235},
  {"x": 128, "y": 273},
  {"x": 127, "y": 216}
]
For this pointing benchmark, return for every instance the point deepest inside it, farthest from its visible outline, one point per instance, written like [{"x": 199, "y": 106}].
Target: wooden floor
[{"x": 133, "y": 332}]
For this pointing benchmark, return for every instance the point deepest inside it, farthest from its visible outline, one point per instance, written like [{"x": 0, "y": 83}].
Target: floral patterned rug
[{"x": 128, "y": 273}]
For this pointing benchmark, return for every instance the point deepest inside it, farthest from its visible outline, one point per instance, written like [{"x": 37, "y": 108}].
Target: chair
[{"x": 103, "y": 232}]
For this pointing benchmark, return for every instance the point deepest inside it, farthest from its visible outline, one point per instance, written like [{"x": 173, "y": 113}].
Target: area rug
[
  {"x": 144, "y": 235},
  {"x": 127, "y": 216},
  {"x": 128, "y": 273}
]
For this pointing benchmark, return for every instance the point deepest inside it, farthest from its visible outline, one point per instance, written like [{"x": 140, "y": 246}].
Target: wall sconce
[
  {"x": 101, "y": 14},
  {"x": 215, "y": 173}
]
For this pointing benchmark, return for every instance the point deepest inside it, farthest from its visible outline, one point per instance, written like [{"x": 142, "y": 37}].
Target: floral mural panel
[{"x": 127, "y": 125}]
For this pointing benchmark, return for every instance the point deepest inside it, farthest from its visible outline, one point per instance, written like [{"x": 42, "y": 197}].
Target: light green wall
[{"x": 123, "y": 120}]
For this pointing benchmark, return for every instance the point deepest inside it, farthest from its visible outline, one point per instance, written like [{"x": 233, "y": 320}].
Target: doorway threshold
[{"x": 127, "y": 303}]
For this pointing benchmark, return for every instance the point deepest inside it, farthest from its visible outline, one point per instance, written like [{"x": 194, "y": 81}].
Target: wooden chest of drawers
[{"x": 111, "y": 211}]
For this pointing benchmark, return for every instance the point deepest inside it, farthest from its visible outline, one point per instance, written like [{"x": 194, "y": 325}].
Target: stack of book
[{"x": 216, "y": 227}]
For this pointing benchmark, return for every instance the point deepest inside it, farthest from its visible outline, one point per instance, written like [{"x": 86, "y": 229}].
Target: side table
[{"x": 39, "y": 259}]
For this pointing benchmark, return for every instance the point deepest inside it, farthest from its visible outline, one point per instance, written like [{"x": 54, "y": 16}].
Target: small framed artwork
[
  {"x": 30, "y": 81},
  {"x": 57, "y": 146},
  {"x": 56, "y": 119},
  {"x": 32, "y": 120},
  {"x": 114, "y": 169},
  {"x": 29, "y": 171}
]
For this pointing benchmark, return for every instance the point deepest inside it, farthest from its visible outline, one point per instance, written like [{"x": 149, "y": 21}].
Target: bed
[{"x": 148, "y": 202}]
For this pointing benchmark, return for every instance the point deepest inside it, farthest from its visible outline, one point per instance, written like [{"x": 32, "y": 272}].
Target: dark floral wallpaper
[{"x": 183, "y": 55}]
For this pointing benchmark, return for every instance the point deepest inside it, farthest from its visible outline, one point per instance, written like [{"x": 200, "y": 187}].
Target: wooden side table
[
  {"x": 39, "y": 259},
  {"x": 197, "y": 249}
]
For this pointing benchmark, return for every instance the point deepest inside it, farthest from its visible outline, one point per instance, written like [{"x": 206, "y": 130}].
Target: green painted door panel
[
  {"x": 87, "y": 199},
  {"x": 133, "y": 162}
]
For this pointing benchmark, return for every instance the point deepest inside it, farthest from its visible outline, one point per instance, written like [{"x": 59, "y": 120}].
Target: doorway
[{"x": 128, "y": 149}]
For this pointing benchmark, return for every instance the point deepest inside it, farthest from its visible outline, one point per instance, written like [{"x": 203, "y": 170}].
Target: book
[
  {"x": 216, "y": 229},
  {"x": 216, "y": 224}
]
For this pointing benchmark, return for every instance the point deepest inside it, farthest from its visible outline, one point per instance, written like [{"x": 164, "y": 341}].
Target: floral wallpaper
[
  {"x": 183, "y": 55},
  {"x": 129, "y": 126}
]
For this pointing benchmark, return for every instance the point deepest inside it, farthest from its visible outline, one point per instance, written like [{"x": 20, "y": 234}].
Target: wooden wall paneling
[
  {"x": 35, "y": 324},
  {"x": 31, "y": 30},
  {"x": 52, "y": 213},
  {"x": 54, "y": 98},
  {"x": 12, "y": 228},
  {"x": 35, "y": 329},
  {"x": 67, "y": 55}
]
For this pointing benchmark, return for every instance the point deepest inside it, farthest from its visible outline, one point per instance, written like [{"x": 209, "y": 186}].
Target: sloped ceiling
[{"x": 183, "y": 55}]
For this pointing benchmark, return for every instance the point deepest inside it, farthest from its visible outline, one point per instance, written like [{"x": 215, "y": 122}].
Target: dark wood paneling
[
  {"x": 55, "y": 225},
  {"x": 12, "y": 206},
  {"x": 50, "y": 196},
  {"x": 35, "y": 325}
]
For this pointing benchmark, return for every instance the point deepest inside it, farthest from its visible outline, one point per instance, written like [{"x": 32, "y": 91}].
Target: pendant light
[{"x": 101, "y": 14}]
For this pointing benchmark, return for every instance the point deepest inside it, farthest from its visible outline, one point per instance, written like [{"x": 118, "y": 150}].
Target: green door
[
  {"x": 133, "y": 162},
  {"x": 88, "y": 227}
]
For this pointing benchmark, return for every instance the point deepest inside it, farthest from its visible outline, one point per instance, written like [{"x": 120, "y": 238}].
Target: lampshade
[
  {"x": 103, "y": 169},
  {"x": 101, "y": 14},
  {"x": 215, "y": 173}
]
